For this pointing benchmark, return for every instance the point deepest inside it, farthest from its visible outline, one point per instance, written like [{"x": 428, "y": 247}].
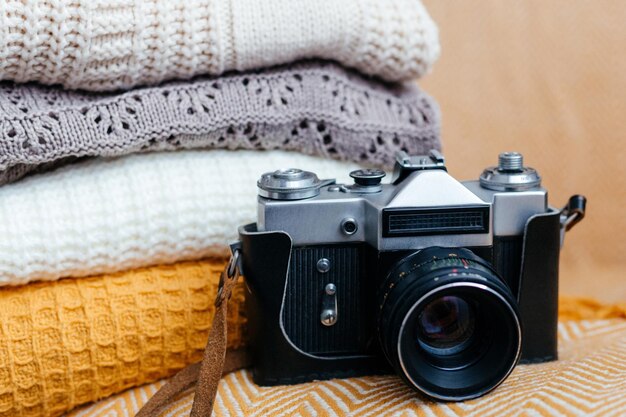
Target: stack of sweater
[{"x": 132, "y": 133}]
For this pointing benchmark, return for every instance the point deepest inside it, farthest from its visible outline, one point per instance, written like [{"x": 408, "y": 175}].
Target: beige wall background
[{"x": 547, "y": 79}]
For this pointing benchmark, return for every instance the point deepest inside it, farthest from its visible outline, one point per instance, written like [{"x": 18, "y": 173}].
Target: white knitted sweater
[
  {"x": 113, "y": 44},
  {"x": 111, "y": 215}
]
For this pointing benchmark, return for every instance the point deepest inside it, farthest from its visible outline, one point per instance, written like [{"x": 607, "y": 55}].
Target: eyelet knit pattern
[
  {"x": 115, "y": 44},
  {"x": 71, "y": 342},
  {"x": 147, "y": 209},
  {"x": 314, "y": 108}
]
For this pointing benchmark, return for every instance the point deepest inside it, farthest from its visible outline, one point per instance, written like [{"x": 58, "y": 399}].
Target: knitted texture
[
  {"x": 71, "y": 342},
  {"x": 140, "y": 210},
  {"x": 586, "y": 381},
  {"x": 315, "y": 108},
  {"x": 116, "y": 44}
]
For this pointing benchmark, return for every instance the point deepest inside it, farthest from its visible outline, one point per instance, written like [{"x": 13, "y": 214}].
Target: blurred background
[{"x": 547, "y": 79}]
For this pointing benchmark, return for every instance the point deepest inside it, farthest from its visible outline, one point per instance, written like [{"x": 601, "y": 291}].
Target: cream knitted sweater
[
  {"x": 114, "y": 44},
  {"x": 112, "y": 215}
]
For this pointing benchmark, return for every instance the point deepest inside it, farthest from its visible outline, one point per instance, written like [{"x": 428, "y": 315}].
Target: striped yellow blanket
[{"x": 588, "y": 380}]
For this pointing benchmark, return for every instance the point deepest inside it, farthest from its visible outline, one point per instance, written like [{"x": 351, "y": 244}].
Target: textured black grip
[
  {"x": 507, "y": 260},
  {"x": 266, "y": 263},
  {"x": 305, "y": 288}
]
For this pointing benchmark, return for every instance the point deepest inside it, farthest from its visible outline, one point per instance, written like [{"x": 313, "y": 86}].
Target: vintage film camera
[{"x": 447, "y": 283}]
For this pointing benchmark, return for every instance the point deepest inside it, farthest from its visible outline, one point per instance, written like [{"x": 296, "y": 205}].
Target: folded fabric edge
[
  {"x": 353, "y": 115},
  {"x": 116, "y": 213},
  {"x": 75, "y": 341}
]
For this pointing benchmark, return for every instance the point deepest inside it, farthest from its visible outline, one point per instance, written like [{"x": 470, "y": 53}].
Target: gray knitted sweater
[{"x": 312, "y": 107}]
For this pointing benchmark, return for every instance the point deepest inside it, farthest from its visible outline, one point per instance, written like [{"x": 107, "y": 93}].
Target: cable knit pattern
[
  {"x": 140, "y": 210},
  {"x": 314, "y": 108},
  {"x": 71, "y": 342},
  {"x": 114, "y": 44}
]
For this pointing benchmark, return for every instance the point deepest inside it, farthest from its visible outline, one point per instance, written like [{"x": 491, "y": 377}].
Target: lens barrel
[{"x": 448, "y": 324}]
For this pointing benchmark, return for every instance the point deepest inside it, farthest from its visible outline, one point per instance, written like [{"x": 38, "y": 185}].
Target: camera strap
[{"x": 216, "y": 361}]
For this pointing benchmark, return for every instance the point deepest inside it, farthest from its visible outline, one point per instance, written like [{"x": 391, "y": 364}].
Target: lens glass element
[
  {"x": 453, "y": 336},
  {"x": 446, "y": 325}
]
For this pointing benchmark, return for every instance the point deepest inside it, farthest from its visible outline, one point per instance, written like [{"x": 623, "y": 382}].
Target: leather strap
[{"x": 216, "y": 362}]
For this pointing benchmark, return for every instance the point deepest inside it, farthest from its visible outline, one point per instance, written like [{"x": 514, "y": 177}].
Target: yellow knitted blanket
[{"x": 75, "y": 341}]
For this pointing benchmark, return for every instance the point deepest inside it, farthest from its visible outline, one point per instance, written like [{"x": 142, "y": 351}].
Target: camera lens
[{"x": 448, "y": 324}]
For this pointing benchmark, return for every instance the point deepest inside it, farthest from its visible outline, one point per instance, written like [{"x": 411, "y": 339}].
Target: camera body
[{"x": 338, "y": 275}]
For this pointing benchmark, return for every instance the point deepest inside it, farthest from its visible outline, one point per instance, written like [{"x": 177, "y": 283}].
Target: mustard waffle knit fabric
[{"x": 71, "y": 342}]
